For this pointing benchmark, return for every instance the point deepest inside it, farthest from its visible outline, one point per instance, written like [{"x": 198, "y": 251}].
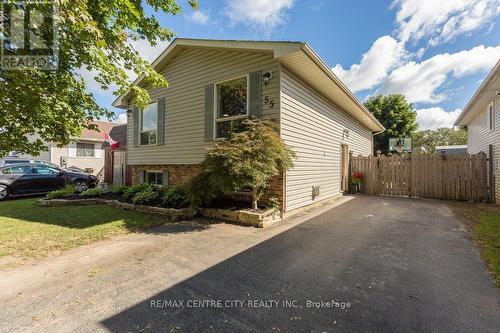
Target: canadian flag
[{"x": 113, "y": 143}]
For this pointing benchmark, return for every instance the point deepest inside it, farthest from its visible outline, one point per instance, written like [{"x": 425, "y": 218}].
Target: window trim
[
  {"x": 154, "y": 171},
  {"x": 86, "y": 149},
  {"x": 141, "y": 123},
  {"x": 490, "y": 114},
  {"x": 222, "y": 120}
]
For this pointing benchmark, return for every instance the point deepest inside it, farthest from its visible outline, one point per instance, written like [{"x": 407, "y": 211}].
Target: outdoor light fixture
[
  {"x": 345, "y": 134},
  {"x": 266, "y": 77}
]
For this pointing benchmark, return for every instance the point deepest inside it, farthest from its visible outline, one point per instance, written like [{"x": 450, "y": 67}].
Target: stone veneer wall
[{"x": 180, "y": 174}]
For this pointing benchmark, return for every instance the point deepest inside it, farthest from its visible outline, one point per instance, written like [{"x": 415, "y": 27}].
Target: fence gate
[{"x": 448, "y": 177}]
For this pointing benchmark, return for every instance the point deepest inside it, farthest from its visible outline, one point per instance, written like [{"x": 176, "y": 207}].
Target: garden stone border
[
  {"x": 244, "y": 216},
  {"x": 248, "y": 217},
  {"x": 173, "y": 214}
]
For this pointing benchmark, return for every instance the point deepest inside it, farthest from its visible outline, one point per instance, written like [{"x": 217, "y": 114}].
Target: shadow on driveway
[{"x": 391, "y": 264}]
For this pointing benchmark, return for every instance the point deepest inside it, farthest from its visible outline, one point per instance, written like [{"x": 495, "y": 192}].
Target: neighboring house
[
  {"x": 84, "y": 153},
  {"x": 116, "y": 171},
  {"x": 482, "y": 118},
  {"x": 451, "y": 150},
  {"x": 213, "y": 84}
]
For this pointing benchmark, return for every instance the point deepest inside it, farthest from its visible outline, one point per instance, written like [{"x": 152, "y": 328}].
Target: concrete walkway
[{"x": 370, "y": 264}]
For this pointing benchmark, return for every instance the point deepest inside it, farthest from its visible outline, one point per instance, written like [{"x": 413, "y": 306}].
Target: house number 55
[{"x": 269, "y": 101}]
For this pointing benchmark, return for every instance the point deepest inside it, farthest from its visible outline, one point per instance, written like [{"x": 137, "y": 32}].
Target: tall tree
[
  {"x": 428, "y": 140},
  {"x": 396, "y": 114},
  {"x": 94, "y": 35}
]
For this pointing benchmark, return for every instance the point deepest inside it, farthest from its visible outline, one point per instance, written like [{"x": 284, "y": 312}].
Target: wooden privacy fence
[{"x": 448, "y": 177}]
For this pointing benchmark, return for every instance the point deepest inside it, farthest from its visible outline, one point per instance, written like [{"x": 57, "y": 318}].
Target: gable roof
[
  {"x": 91, "y": 135},
  {"x": 298, "y": 57},
  {"x": 117, "y": 133},
  {"x": 487, "y": 91}
]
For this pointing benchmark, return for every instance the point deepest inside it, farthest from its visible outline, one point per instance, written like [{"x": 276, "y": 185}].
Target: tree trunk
[{"x": 254, "y": 199}]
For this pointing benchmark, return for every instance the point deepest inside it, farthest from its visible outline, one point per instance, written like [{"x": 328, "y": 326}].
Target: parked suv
[{"x": 35, "y": 178}]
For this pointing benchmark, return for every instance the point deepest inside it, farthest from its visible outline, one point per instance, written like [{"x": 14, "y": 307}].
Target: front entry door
[{"x": 344, "y": 168}]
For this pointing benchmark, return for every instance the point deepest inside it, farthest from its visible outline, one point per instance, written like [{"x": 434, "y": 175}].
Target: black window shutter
[
  {"x": 161, "y": 121},
  {"x": 136, "y": 127},
  {"x": 165, "y": 179},
  {"x": 209, "y": 113},
  {"x": 255, "y": 94}
]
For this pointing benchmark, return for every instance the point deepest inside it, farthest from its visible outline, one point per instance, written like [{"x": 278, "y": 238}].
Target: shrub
[
  {"x": 57, "y": 194},
  {"x": 67, "y": 190},
  {"x": 273, "y": 203},
  {"x": 175, "y": 197},
  {"x": 147, "y": 195},
  {"x": 249, "y": 158},
  {"x": 92, "y": 192},
  {"x": 131, "y": 191},
  {"x": 118, "y": 189},
  {"x": 200, "y": 192}
]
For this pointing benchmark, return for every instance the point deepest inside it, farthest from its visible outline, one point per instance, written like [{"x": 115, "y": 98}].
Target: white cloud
[
  {"x": 121, "y": 118},
  {"x": 199, "y": 17},
  {"x": 90, "y": 82},
  {"x": 266, "y": 14},
  {"x": 420, "y": 82},
  {"x": 375, "y": 64},
  {"x": 147, "y": 51},
  {"x": 442, "y": 20},
  {"x": 436, "y": 117}
]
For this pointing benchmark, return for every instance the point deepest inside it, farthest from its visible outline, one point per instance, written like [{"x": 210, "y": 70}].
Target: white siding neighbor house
[
  {"x": 318, "y": 117},
  {"x": 481, "y": 116},
  {"x": 85, "y": 153}
]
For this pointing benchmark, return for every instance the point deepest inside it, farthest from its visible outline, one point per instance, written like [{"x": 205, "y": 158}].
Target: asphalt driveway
[{"x": 371, "y": 264}]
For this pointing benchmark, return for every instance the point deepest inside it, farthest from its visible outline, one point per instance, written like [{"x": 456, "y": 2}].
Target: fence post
[{"x": 490, "y": 175}]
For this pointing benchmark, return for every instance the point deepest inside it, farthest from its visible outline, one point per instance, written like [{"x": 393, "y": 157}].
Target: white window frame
[
  {"x": 86, "y": 149},
  {"x": 154, "y": 171},
  {"x": 490, "y": 114},
  {"x": 216, "y": 106},
  {"x": 141, "y": 123}
]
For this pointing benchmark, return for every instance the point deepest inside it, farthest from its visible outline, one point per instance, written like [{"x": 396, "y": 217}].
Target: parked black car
[
  {"x": 36, "y": 178},
  {"x": 17, "y": 160}
]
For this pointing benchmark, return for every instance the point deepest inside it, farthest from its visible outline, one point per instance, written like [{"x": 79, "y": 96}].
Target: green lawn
[
  {"x": 30, "y": 231},
  {"x": 484, "y": 221}
]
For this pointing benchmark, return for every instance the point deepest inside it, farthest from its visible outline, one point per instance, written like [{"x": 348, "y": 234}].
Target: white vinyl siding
[
  {"x": 479, "y": 134},
  {"x": 480, "y": 137},
  {"x": 313, "y": 127},
  {"x": 188, "y": 74}
]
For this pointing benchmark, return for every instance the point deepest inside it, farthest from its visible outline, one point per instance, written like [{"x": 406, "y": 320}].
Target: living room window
[
  {"x": 149, "y": 124},
  {"x": 85, "y": 149},
  {"x": 231, "y": 105}
]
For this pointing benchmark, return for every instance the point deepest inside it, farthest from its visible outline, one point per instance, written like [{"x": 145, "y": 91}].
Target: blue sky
[{"x": 435, "y": 52}]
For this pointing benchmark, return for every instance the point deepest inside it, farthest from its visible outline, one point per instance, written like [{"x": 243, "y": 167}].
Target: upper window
[
  {"x": 491, "y": 117},
  {"x": 149, "y": 124},
  {"x": 85, "y": 149},
  {"x": 232, "y": 105}
]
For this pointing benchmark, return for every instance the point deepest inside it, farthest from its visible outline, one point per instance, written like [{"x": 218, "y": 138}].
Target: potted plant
[{"x": 356, "y": 178}]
